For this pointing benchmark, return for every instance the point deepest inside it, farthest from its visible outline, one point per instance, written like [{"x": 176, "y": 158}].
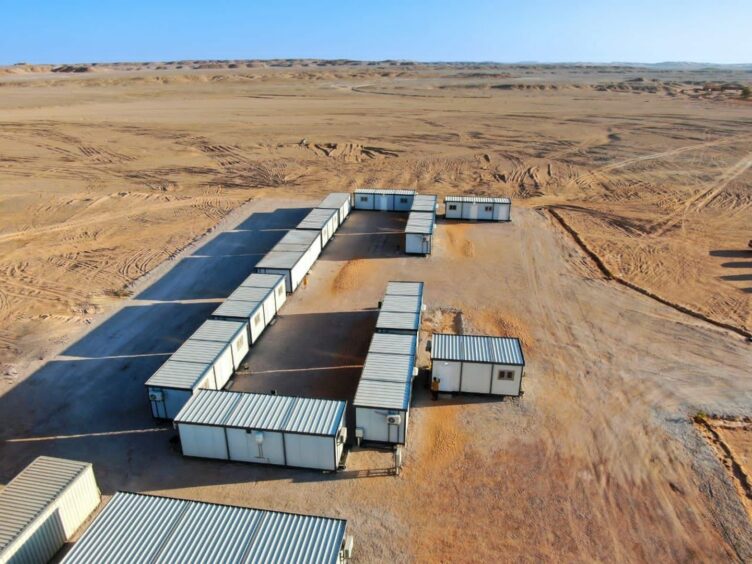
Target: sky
[{"x": 77, "y": 31}]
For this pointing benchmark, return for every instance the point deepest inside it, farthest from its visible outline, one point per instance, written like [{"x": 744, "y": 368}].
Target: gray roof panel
[
  {"x": 202, "y": 352},
  {"x": 398, "y": 321},
  {"x": 396, "y": 288},
  {"x": 401, "y": 304},
  {"x": 208, "y": 407},
  {"x": 318, "y": 218},
  {"x": 381, "y": 394},
  {"x": 260, "y": 411},
  {"x": 179, "y": 375},
  {"x": 219, "y": 331},
  {"x": 420, "y": 223},
  {"x": 477, "y": 200},
  {"x": 387, "y": 343},
  {"x": 299, "y": 237},
  {"x": 315, "y": 416},
  {"x": 385, "y": 191},
  {"x": 257, "y": 280},
  {"x": 251, "y": 294},
  {"x": 31, "y": 492},
  {"x": 144, "y": 528},
  {"x": 335, "y": 200},
  {"x": 281, "y": 260},
  {"x": 388, "y": 367},
  {"x": 424, "y": 203},
  {"x": 238, "y": 309},
  {"x": 477, "y": 348}
]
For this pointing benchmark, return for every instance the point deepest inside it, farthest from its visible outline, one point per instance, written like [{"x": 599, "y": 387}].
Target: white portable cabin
[
  {"x": 401, "y": 309},
  {"x": 292, "y": 257},
  {"x": 419, "y": 233},
  {"x": 275, "y": 281},
  {"x": 477, "y": 364},
  {"x": 324, "y": 221},
  {"x": 339, "y": 201},
  {"x": 207, "y": 360},
  {"x": 136, "y": 527},
  {"x": 385, "y": 343},
  {"x": 256, "y": 306},
  {"x": 42, "y": 508},
  {"x": 382, "y": 409},
  {"x": 478, "y": 208},
  {"x": 383, "y": 200},
  {"x": 263, "y": 429}
]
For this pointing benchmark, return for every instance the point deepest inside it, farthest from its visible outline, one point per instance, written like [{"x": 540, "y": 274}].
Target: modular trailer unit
[
  {"x": 275, "y": 281},
  {"x": 402, "y": 308},
  {"x": 478, "y": 208},
  {"x": 419, "y": 233},
  {"x": 263, "y": 429},
  {"x": 207, "y": 360},
  {"x": 386, "y": 343},
  {"x": 145, "y": 528},
  {"x": 383, "y": 200},
  {"x": 323, "y": 221},
  {"x": 382, "y": 409},
  {"x": 43, "y": 506},
  {"x": 477, "y": 364},
  {"x": 424, "y": 203},
  {"x": 292, "y": 257},
  {"x": 339, "y": 201}
]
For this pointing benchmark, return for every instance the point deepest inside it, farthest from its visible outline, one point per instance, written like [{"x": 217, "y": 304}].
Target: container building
[
  {"x": 402, "y": 308},
  {"x": 292, "y": 257},
  {"x": 42, "y": 508},
  {"x": 425, "y": 203},
  {"x": 419, "y": 233},
  {"x": 323, "y": 221},
  {"x": 383, "y": 200},
  {"x": 340, "y": 201},
  {"x": 477, "y": 364},
  {"x": 478, "y": 208}
]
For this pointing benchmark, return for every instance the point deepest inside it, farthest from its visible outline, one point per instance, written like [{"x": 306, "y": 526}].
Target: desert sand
[{"x": 125, "y": 189}]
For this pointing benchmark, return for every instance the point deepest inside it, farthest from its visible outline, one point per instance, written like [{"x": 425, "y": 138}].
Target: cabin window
[
  {"x": 240, "y": 343},
  {"x": 489, "y": 208},
  {"x": 403, "y": 200},
  {"x": 364, "y": 198},
  {"x": 280, "y": 290},
  {"x": 257, "y": 319},
  {"x": 505, "y": 375},
  {"x": 453, "y": 207}
]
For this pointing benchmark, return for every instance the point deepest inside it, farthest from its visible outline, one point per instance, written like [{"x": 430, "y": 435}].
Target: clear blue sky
[{"x": 68, "y": 31}]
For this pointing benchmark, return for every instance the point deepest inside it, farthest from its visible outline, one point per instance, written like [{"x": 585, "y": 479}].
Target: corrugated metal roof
[
  {"x": 388, "y": 367},
  {"x": 284, "y": 538},
  {"x": 32, "y": 491},
  {"x": 144, "y": 528},
  {"x": 218, "y": 330},
  {"x": 179, "y": 375},
  {"x": 299, "y": 237},
  {"x": 257, "y": 280},
  {"x": 251, "y": 294},
  {"x": 317, "y": 218},
  {"x": 397, "y": 320},
  {"x": 237, "y": 308},
  {"x": 130, "y": 528},
  {"x": 419, "y": 222},
  {"x": 335, "y": 200},
  {"x": 477, "y": 200},
  {"x": 404, "y": 288},
  {"x": 381, "y": 394},
  {"x": 402, "y": 304},
  {"x": 315, "y": 416},
  {"x": 388, "y": 343},
  {"x": 424, "y": 203},
  {"x": 262, "y": 411},
  {"x": 208, "y": 407},
  {"x": 211, "y": 533},
  {"x": 385, "y": 191},
  {"x": 477, "y": 348},
  {"x": 203, "y": 352},
  {"x": 291, "y": 247},
  {"x": 284, "y": 260}
]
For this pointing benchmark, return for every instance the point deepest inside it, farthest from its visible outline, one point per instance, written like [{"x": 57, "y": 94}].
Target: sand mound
[
  {"x": 443, "y": 320},
  {"x": 459, "y": 245},
  {"x": 349, "y": 152},
  {"x": 353, "y": 274},
  {"x": 493, "y": 322}
]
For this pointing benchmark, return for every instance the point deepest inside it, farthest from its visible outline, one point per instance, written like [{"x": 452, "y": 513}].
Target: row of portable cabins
[
  {"x": 42, "y": 508},
  {"x": 477, "y": 364},
  {"x": 263, "y": 429},
  {"x": 420, "y": 225},
  {"x": 478, "y": 208},
  {"x": 294, "y": 255},
  {"x": 382, "y": 399},
  {"x": 209, "y": 358}
]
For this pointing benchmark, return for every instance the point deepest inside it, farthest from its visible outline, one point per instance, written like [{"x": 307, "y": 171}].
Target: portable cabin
[
  {"x": 477, "y": 364},
  {"x": 424, "y": 203},
  {"x": 233, "y": 334},
  {"x": 402, "y": 308},
  {"x": 397, "y": 322},
  {"x": 324, "y": 221},
  {"x": 42, "y": 508},
  {"x": 175, "y": 382},
  {"x": 386, "y": 343},
  {"x": 254, "y": 306},
  {"x": 135, "y": 527},
  {"x": 339, "y": 201},
  {"x": 263, "y": 429},
  {"x": 292, "y": 257},
  {"x": 419, "y": 233},
  {"x": 383, "y": 200},
  {"x": 477, "y": 208},
  {"x": 273, "y": 281},
  {"x": 382, "y": 410},
  {"x": 389, "y": 367}
]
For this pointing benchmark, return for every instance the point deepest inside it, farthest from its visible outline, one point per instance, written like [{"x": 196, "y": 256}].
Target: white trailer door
[
  {"x": 472, "y": 211},
  {"x": 448, "y": 374},
  {"x": 383, "y": 202},
  {"x": 476, "y": 378}
]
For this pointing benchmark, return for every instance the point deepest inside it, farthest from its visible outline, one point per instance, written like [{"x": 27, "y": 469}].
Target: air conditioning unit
[
  {"x": 394, "y": 419},
  {"x": 155, "y": 396},
  {"x": 347, "y": 548}
]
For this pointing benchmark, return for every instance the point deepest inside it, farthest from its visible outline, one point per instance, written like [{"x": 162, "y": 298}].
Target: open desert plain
[{"x": 135, "y": 197}]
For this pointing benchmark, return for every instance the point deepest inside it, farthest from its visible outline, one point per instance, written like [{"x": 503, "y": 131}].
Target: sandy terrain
[{"x": 104, "y": 174}]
